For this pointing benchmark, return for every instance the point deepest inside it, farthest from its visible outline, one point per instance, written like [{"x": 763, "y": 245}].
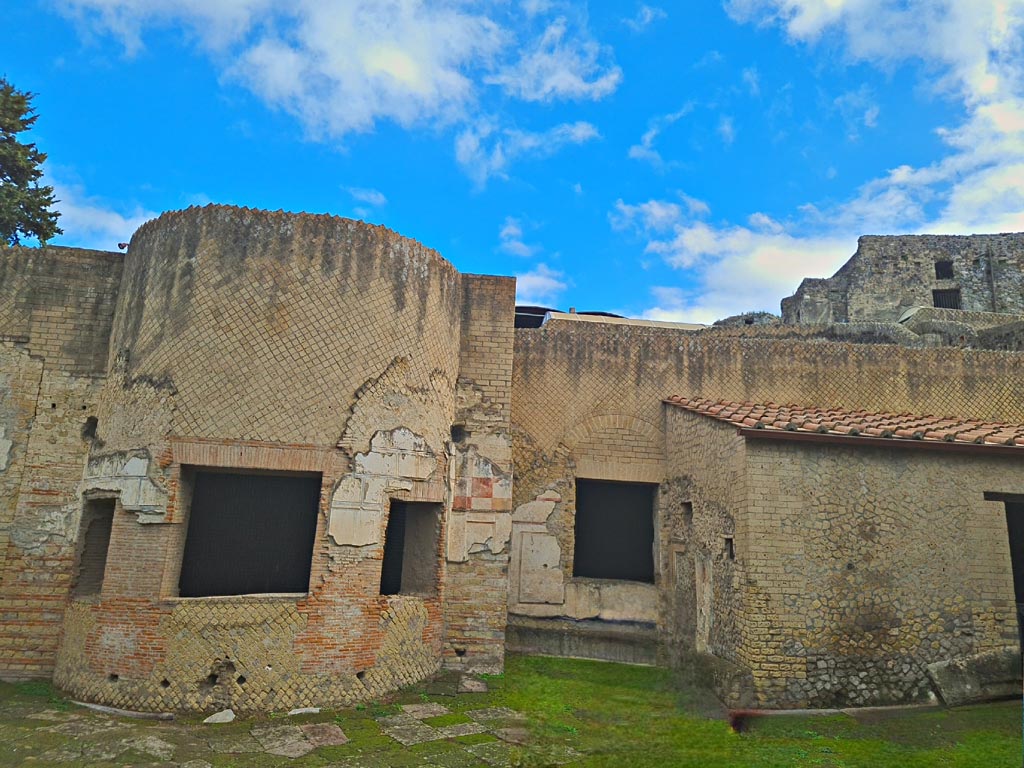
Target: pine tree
[{"x": 24, "y": 203}]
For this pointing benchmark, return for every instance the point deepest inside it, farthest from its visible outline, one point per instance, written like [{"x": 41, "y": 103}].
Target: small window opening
[
  {"x": 165, "y": 683},
  {"x": 94, "y": 542},
  {"x": 614, "y": 530},
  {"x": 688, "y": 512},
  {"x": 730, "y": 548},
  {"x": 249, "y": 533},
  {"x": 411, "y": 543},
  {"x": 89, "y": 428},
  {"x": 458, "y": 433},
  {"x": 113, "y": 677},
  {"x": 946, "y": 299},
  {"x": 943, "y": 270},
  {"x": 748, "y": 321}
]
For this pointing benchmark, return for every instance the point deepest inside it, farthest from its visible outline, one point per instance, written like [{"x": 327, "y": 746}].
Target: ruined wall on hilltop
[{"x": 888, "y": 275}]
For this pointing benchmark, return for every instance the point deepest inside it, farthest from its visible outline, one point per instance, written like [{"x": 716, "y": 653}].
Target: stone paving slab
[
  {"x": 460, "y": 729},
  {"x": 407, "y": 730},
  {"x": 233, "y": 743},
  {"x": 423, "y": 711},
  {"x": 493, "y": 753},
  {"x": 494, "y": 713},
  {"x": 283, "y": 740},
  {"x": 324, "y": 735}
]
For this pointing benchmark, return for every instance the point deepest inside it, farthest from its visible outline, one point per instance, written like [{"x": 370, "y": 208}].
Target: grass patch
[
  {"x": 453, "y": 718},
  {"x": 578, "y": 713}
]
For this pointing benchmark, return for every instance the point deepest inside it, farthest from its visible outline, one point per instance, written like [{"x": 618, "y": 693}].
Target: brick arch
[
  {"x": 616, "y": 447},
  {"x": 603, "y": 421}
]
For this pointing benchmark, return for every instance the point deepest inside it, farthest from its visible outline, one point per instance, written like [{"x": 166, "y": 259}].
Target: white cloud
[
  {"x": 536, "y": 7},
  {"x": 368, "y": 195},
  {"x": 974, "y": 45},
  {"x": 541, "y": 285},
  {"x": 735, "y": 268},
  {"x": 645, "y": 150},
  {"x": 342, "y": 66},
  {"x": 91, "y": 222},
  {"x": 858, "y": 109},
  {"x": 338, "y": 67},
  {"x": 726, "y": 129},
  {"x": 559, "y": 65},
  {"x": 645, "y": 16},
  {"x": 484, "y": 150},
  {"x": 709, "y": 59},
  {"x": 511, "y": 239},
  {"x": 752, "y": 79}
]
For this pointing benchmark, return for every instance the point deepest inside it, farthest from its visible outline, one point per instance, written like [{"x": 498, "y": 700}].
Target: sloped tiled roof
[{"x": 841, "y": 423}]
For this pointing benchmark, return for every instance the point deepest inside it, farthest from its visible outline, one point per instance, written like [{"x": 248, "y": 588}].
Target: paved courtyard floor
[{"x": 541, "y": 712}]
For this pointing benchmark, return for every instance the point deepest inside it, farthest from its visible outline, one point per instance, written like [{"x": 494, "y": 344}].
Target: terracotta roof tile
[{"x": 853, "y": 424}]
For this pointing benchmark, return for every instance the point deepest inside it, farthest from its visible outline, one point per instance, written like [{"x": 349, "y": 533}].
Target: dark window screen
[
  {"x": 249, "y": 534},
  {"x": 614, "y": 530},
  {"x": 944, "y": 270},
  {"x": 1015, "y": 529},
  {"x": 949, "y": 299}
]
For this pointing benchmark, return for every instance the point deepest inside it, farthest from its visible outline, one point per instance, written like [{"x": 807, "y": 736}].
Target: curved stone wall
[
  {"x": 253, "y": 340},
  {"x": 264, "y": 325}
]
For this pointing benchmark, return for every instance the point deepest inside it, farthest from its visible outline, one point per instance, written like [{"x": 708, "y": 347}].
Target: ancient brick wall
[
  {"x": 59, "y": 304},
  {"x": 575, "y": 380},
  {"x": 481, "y": 451},
  {"x": 859, "y": 566},
  {"x": 56, "y": 308},
  {"x": 247, "y": 340},
  {"x": 888, "y": 275}
]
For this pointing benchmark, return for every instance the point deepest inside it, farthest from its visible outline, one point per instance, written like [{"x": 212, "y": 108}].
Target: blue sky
[{"x": 678, "y": 161}]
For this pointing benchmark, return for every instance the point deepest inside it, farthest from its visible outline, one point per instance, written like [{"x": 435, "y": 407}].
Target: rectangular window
[
  {"x": 614, "y": 530},
  {"x": 411, "y": 553},
  {"x": 249, "y": 533},
  {"x": 93, "y": 544},
  {"x": 943, "y": 270},
  {"x": 947, "y": 299}
]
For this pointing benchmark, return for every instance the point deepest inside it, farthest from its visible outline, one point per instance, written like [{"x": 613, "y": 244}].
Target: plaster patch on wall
[
  {"x": 45, "y": 524},
  {"x": 481, "y": 520},
  {"x": 5, "y": 449},
  {"x": 393, "y": 400},
  {"x": 127, "y": 475},
  {"x": 540, "y": 578},
  {"x": 394, "y": 462}
]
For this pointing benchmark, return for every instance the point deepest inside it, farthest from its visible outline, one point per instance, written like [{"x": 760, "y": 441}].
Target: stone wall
[
  {"x": 254, "y": 341},
  {"x": 855, "y": 567},
  {"x": 55, "y": 316},
  {"x": 888, "y": 275},
  {"x": 587, "y": 402},
  {"x": 481, "y": 449},
  {"x": 703, "y": 502}
]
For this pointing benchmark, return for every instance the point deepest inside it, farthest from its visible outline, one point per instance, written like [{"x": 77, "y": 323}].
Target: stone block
[{"x": 977, "y": 678}]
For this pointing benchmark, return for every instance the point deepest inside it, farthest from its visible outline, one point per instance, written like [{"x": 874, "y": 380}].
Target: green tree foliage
[{"x": 24, "y": 203}]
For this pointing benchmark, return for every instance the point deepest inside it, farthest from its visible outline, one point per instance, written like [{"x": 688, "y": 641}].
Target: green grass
[{"x": 604, "y": 714}]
